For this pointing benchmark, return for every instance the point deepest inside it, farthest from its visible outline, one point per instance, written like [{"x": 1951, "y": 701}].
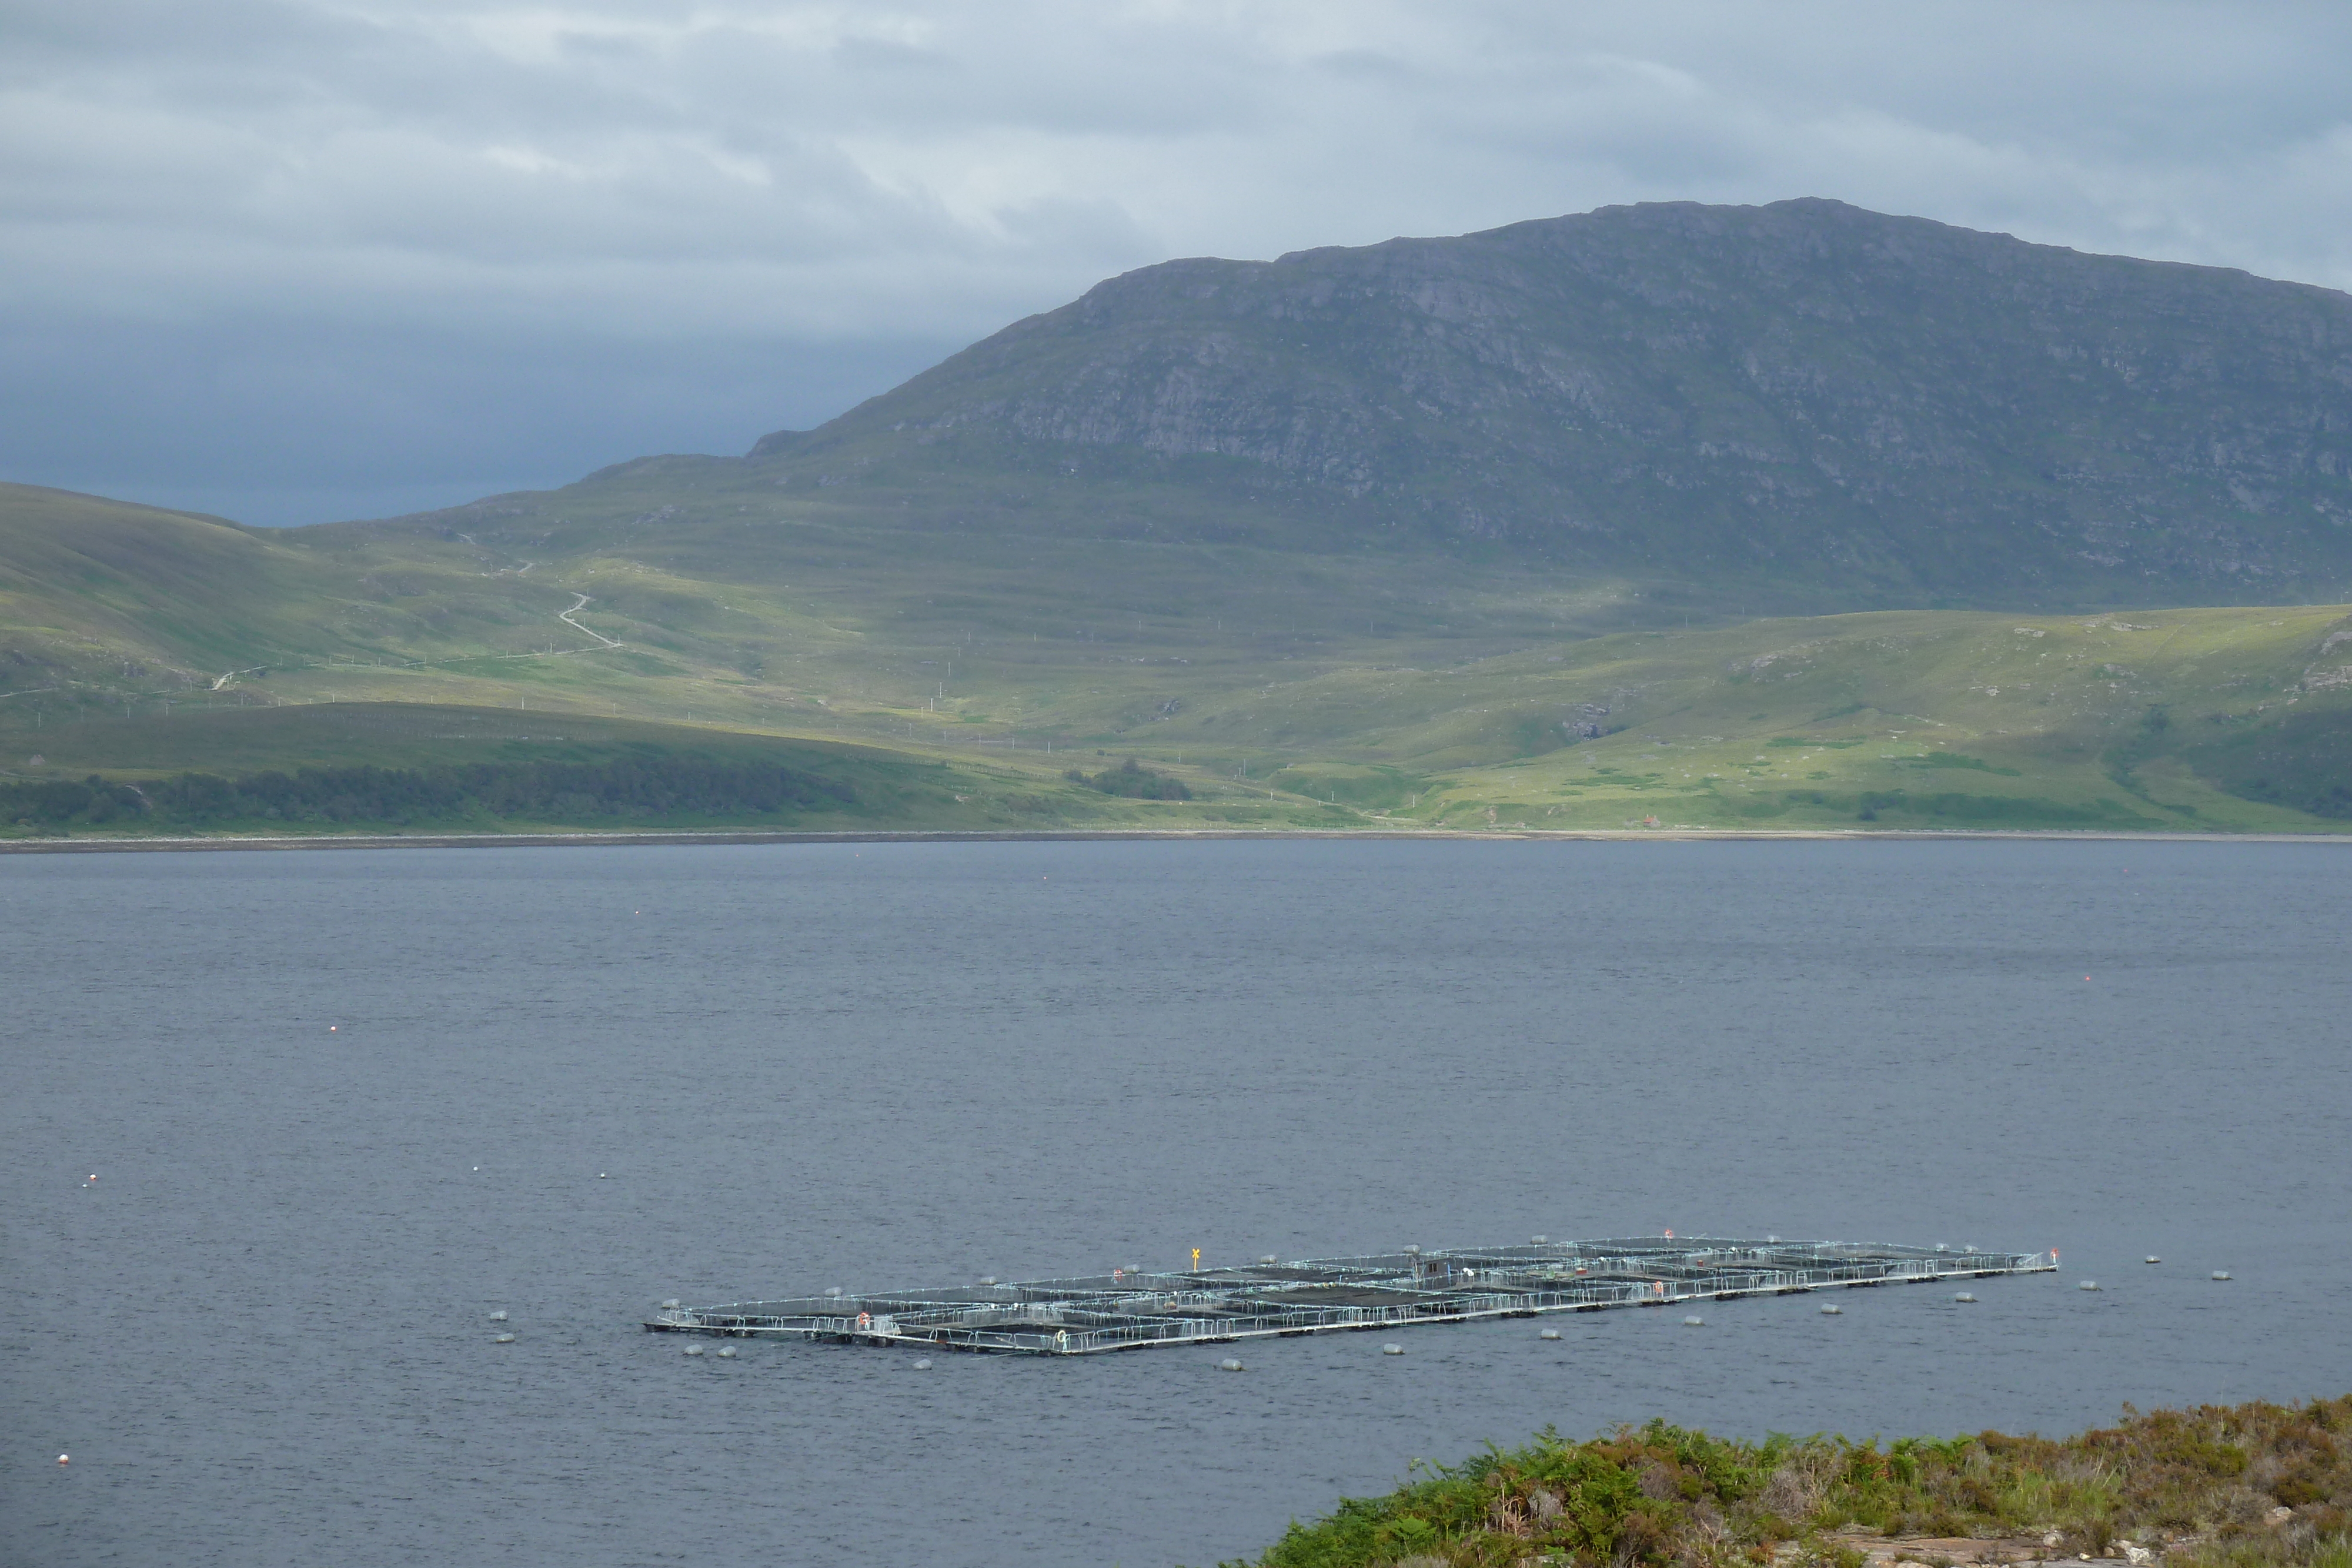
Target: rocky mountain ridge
[{"x": 1886, "y": 409}]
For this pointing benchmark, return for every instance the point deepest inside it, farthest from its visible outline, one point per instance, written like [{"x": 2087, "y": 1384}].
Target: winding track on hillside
[{"x": 565, "y": 616}]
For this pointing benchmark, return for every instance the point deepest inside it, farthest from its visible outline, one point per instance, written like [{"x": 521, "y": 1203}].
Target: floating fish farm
[{"x": 1131, "y": 1310}]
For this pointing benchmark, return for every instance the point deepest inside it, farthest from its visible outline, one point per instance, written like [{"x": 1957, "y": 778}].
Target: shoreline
[{"x": 589, "y": 838}]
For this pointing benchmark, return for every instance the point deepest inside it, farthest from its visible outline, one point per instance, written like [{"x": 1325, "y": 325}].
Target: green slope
[
  {"x": 104, "y": 602},
  {"x": 2219, "y": 719},
  {"x": 86, "y": 583},
  {"x": 2231, "y": 719}
]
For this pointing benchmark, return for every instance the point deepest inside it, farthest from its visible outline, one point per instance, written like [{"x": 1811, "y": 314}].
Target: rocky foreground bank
[{"x": 2217, "y": 1487}]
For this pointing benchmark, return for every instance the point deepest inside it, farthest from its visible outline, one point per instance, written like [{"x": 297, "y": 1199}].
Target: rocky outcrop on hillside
[{"x": 1799, "y": 393}]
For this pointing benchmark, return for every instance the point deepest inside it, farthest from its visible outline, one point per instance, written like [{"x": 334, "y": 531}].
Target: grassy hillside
[
  {"x": 1486, "y": 696},
  {"x": 2206, "y": 719},
  {"x": 2216, "y": 1487},
  {"x": 106, "y": 604},
  {"x": 90, "y": 590}
]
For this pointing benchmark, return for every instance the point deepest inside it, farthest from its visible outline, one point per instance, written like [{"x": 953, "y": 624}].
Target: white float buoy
[
  {"x": 1228, "y": 1365},
  {"x": 671, "y": 1305},
  {"x": 727, "y": 1352},
  {"x": 1391, "y": 1350},
  {"x": 694, "y": 1350},
  {"x": 1830, "y": 1312},
  {"x": 2152, "y": 1258},
  {"x": 2221, "y": 1273},
  {"x": 922, "y": 1366},
  {"x": 65, "y": 1458},
  {"x": 2088, "y": 1285},
  {"x": 1964, "y": 1296},
  {"x": 504, "y": 1339},
  {"x": 1539, "y": 1241},
  {"x": 1548, "y": 1334},
  {"x": 984, "y": 1279},
  {"x": 498, "y": 1317},
  {"x": 1269, "y": 1258},
  {"x": 601, "y": 1177},
  {"x": 1693, "y": 1322}
]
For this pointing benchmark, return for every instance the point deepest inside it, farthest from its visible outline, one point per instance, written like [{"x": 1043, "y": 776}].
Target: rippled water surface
[{"x": 341, "y": 1107}]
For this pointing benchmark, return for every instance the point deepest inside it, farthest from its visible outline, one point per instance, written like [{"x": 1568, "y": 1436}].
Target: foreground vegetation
[{"x": 2215, "y": 1487}]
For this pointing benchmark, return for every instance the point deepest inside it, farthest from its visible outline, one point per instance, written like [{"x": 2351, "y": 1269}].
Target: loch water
[{"x": 341, "y": 1107}]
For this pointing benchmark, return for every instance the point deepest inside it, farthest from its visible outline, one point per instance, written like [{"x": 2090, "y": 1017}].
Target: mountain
[
  {"x": 1827, "y": 404},
  {"x": 1637, "y": 415}
]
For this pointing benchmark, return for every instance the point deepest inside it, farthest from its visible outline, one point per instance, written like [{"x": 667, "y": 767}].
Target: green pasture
[{"x": 1285, "y": 688}]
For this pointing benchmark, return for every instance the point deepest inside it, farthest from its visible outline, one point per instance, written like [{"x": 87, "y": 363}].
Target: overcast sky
[{"x": 296, "y": 260}]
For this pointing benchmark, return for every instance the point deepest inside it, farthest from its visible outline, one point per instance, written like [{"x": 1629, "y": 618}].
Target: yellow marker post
[{"x": 1196, "y": 1259}]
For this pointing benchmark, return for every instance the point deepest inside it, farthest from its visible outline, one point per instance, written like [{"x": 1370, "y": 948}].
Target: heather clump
[{"x": 2248, "y": 1486}]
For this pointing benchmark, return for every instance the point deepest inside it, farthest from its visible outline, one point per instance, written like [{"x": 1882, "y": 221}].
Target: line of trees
[
  {"x": 1133, "y": 780},
  {"x": 530, "y": 791}
]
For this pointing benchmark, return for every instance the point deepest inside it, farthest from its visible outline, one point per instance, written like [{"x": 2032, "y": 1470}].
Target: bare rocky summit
[{"x": 1880, "y": 409}]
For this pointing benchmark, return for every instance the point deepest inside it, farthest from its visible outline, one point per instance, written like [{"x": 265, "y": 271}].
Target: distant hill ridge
[{"x": 1884, "y": 410}]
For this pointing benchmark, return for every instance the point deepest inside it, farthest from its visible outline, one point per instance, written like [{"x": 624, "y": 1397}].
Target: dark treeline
[
  {"x": 1133, "y": 780},
  {"x": 2303, "y": 761},
  {"x": 530, "y": 791}
]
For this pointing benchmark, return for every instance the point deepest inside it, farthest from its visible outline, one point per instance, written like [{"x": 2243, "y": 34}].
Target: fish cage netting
[{"x": 1128, "y": 1310}]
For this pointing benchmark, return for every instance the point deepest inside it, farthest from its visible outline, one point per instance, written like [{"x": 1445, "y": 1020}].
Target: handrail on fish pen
[{"x": 1123, "y": 1311}]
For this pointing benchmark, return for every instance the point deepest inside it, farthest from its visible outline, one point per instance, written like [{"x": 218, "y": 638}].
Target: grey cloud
[
  {"x": 885, "y": 55},
  {"x": 1368, "y": 65},
  {"x": 239, "y": 416}
]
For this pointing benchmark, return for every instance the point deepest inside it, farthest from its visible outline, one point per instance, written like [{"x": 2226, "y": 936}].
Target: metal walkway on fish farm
[{"x": 1127, "y": 1309}]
